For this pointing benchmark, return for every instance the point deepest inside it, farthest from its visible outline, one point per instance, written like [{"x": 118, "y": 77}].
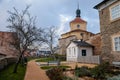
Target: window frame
[
  {"x": 110, "y": 9},
  {"x": 78, "y": 26},
  {"x": 117, "y": 43},
  {"x": 74, "y": 52},
  {"x": 69, "y": 51},
  {"x": 84, "y": 54}
]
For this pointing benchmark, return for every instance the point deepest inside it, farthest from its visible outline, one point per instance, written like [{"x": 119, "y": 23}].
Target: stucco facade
[
  {"x": 81, "y": 51},
  {"x": 78, "y": 21},
  {"x": 74, "y": 52},
  {"x": 71, "y": 55}
]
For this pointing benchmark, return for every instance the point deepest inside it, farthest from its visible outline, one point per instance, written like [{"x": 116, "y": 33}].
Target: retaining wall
[{"x": 5, "y": 61}]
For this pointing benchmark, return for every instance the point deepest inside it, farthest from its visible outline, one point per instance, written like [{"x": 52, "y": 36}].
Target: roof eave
[{"x": 98, "y": 5}]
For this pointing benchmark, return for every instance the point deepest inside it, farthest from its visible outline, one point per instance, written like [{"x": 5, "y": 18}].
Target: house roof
[
  {"x": 82, "y": 44},
  {"x": 104, "y": 1},
  {"x": 78, "y": 20}
]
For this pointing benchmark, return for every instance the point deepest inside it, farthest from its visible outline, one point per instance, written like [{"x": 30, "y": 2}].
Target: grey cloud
[{"x": 48, "y": 11}]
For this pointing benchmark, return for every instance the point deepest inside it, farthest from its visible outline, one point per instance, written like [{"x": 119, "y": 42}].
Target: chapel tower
[
  {"x": 77, "y": 31},
  {"x": 78, "y": 23}
]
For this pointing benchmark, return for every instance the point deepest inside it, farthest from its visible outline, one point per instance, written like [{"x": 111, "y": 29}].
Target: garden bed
[
  {"x": 100, "y": 72},
  {"x": 49, "y": 67}
]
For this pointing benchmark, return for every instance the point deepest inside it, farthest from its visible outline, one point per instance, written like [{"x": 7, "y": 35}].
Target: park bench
[
  {"x": 53, "y": 63},
  {"x": 116, "y": 64}
]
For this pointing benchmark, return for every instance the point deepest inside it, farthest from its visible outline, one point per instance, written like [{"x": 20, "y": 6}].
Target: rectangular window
[
  {"x": 115, "y": 12},
  {"x": 117, "y": 43},
  {"x": 74, "y": 52},
  {"x": 83, "y": 52},
  {"x": 69, "y": 51}
]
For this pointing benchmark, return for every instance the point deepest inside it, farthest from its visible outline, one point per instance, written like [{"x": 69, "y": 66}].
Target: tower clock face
[{"x": 78, "y": 26}]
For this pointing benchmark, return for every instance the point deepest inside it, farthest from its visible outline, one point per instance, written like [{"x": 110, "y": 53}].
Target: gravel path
[{"x": 34, "y": 72}]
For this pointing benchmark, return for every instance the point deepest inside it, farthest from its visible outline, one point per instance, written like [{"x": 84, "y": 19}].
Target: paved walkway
[{"x": 34, "y": 72}]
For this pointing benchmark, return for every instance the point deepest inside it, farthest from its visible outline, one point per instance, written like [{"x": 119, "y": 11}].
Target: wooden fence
[{"x": 89, "y": 59}]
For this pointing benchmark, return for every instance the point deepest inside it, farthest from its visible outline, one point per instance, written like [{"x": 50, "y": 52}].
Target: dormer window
[
  {"x": 78, "y": 26},
  {"x": 115, "y": 12}
]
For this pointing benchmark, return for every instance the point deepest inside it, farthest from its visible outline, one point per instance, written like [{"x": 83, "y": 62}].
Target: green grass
[
  {"x": 7, "y": 74},
  {"x": 32, "y": 58},
  {"x": 44, "y": 59},
  {"x": 49, "y": 67}
]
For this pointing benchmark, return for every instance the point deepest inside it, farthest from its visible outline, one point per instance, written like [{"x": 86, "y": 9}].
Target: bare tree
[
  {"x": 26, "y": 33},
  {"x": 50, "y": 38}
]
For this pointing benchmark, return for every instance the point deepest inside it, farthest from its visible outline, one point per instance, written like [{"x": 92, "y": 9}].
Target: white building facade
[{"x": 80, "y": 51}]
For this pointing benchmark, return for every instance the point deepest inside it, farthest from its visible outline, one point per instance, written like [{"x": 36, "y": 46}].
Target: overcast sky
[{"x": 53, "y": 13}]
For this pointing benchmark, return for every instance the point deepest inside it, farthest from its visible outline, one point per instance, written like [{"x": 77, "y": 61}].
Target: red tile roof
[{"x": 78, "y": 20}]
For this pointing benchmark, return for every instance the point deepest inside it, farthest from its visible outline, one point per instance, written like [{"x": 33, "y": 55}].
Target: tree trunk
[{"x": 17, "y": 63}]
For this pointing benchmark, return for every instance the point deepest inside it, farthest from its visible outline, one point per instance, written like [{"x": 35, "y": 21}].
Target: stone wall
[
  {"x": 6, "y": 38},
  {"x": 108, "y": 28},
  {"x": 63, "y": 43},
  {"x": 96, "y": 42},
  {"x": 5, "y": 61}
]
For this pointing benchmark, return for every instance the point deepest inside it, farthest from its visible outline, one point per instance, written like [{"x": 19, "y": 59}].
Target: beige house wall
[
  {"x": 86, "y": 35},
  {"x": 73, "y": 26}
]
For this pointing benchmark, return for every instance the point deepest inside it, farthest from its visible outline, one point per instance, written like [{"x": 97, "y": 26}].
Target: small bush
[
  {"x": 114, "y": 78},
  {"x": 67, "y": 78},
  {"x": 55, "y": 73},
  {"x": 100, "y": 71},
  {"x": 60, "y": 57},
  {"x": 45, "y": 59},
  {"x": 82, "y": 71},
  {"x": 49, "y": 67}
]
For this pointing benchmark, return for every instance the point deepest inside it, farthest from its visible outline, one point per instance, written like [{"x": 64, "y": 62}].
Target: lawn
[
  {"x": 45, "y": 59},
  {"x": 7, "y": 74},
  {"x": 32, "y": 58},
  {"x": 49, "y": 67}
]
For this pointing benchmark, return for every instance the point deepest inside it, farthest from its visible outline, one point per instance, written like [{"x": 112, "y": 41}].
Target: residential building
[{"x": 109, "y": 13}]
